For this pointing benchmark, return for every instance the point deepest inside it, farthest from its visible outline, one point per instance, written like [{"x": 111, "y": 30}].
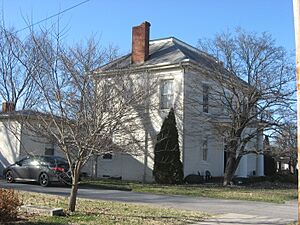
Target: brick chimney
[
  {"x": 8, "y": 107},
  {"x": 140, "y": 43}
]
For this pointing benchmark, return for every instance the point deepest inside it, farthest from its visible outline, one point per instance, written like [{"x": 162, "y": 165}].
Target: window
[
  {"x": 47, "y": 161},
  {"x": 49, "y": 148},
  {"x": 34, "y": 162},
  {"x": 107, "y": 156},
  {"x": 205, "y": 97},
  {"x": 166, "y": 98},
  {"x": 49, "y": 151},
  {"x": 205, "y": 150},
  {"x": 25, "y": 162}
]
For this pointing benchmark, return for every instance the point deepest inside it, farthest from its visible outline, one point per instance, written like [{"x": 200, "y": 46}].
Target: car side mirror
[{"x": 19, "y": 163}]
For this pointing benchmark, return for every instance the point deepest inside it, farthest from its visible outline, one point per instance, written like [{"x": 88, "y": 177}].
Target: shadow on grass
[
  {"x": 91, "y": 217},
  {"x": 103, "y": 187}
]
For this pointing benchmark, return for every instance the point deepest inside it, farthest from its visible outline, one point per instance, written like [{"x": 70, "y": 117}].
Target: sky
[{"x": 111, "y": 21}]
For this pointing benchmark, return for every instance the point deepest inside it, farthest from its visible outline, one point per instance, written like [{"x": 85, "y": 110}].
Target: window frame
[{"x": 169, "y": 96}]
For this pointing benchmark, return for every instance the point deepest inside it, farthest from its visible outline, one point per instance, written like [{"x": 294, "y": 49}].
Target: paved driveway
[{"x": 279, "y": 212}]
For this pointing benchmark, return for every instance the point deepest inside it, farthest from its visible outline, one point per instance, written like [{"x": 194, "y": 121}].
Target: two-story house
[{"x": 179, "y": 68}]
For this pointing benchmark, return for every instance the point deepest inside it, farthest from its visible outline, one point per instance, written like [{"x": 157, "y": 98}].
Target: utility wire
[{"x": 50, "y": 17}]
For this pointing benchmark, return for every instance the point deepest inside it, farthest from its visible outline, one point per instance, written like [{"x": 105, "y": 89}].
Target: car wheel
[
  {"x": 44, "y": 180},
  {"x": 9, "y": 177}
]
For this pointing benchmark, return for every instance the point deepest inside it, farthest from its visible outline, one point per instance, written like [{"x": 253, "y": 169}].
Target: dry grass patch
[{"x": 105, "y": 212}]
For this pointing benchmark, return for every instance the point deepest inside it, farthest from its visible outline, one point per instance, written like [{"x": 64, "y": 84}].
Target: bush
[
  {"x": 284, "y": 178},
  {"x": 194, "y": 179},
  {"x": 9, "y": 203},
  {"x": 277, "y": 178},
  {"x": 254, "y": 179}
]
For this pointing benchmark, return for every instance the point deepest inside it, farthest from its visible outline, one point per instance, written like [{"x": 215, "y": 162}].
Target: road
[{"x": 281, "y": 212}]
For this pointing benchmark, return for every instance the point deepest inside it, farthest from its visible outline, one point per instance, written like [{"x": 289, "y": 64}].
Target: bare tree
[
  {"x": 252, "y": 84},
  {"x": 19, "y": 62},
  {"x": 86, "y": 112}
]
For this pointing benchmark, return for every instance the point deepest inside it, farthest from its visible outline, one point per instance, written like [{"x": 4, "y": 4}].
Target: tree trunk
[
  {"x": 95, "y": 167},
  {"x": 73, "y": 194},
  {"x": 231, "y": 166}
]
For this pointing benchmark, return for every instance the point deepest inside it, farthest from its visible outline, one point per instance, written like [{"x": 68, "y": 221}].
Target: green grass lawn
[
  {"x": 270, "y": 194},
  {"x": 104, "y": 212}
]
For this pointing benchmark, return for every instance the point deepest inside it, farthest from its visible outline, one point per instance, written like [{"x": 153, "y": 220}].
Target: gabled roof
[{"x": 165, "y": 51}]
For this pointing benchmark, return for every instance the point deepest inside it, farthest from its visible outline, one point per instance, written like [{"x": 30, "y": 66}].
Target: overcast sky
[{"x": 187, "y": 20}]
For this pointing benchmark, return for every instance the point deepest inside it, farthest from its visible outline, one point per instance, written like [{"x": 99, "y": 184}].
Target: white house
[
  {"x": 177, "y": 66},
  {"x": 16, "y": 141}
]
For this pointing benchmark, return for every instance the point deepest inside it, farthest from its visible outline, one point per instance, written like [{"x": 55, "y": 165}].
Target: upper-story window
[
  {"x": 205, "y": 97},
  {"x": 167, "y": 94}
]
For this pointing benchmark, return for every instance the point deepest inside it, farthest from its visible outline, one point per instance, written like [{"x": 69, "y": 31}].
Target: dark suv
[{"x": 41, "y": 169}]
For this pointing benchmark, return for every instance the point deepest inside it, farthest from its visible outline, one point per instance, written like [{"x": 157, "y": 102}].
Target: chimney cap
[{"x": 145, "y": 22}]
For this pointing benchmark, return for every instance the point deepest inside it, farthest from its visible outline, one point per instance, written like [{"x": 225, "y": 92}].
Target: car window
[
  {"x": 19, "y": 163},
  {"x": 47, "y": 161},
  {"x": 34, "y": 162},
  {"x": 25, "y": 162}
]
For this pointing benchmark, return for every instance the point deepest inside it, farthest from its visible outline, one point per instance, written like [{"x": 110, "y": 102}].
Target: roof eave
[{"x": 160, "y": 66}]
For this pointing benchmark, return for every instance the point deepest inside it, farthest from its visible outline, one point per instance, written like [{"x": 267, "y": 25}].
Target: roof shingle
[{"x": 165, "y": 51}]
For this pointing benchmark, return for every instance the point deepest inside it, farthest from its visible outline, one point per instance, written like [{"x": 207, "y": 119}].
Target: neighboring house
[
  {"x": 177, "y": 66},
  {"x": 283, "y": 164},
  {"x": 283, "y": 160},
  {"x": 16, "y": 141}
]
